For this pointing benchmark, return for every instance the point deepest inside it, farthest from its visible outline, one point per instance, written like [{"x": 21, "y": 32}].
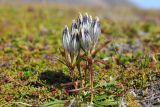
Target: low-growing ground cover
[{"x": 31, "y": 75}]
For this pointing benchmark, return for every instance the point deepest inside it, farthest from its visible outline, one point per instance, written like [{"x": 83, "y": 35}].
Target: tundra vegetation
[{"x": 43, "y": 63}]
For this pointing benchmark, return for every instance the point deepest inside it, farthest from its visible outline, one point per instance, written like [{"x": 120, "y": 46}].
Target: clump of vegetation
[{"x": 83, "y": 36}]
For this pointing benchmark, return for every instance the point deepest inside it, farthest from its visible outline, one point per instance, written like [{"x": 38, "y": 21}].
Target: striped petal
[
  {"x": 66, "y": 39},
  {"x": 74, "y": 43},
  {"x": 85, "y": 39},
  {"x": 95, "y": 30}
]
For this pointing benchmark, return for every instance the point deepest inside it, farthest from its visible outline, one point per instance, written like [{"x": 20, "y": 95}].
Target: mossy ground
[{"x": 30, "y": 38}]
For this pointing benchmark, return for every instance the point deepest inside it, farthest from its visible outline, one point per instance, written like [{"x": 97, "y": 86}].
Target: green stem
[
  {"x": 91, "y": 78},
  {"x": 79, "y": 70},
  {"x": 85, "y": 73}
]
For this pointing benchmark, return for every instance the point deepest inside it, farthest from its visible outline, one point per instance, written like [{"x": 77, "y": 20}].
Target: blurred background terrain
[{"x": 114, "y": 9}]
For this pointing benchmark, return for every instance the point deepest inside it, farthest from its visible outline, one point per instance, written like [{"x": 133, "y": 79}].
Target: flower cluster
[{"x": 83, "y": 35}]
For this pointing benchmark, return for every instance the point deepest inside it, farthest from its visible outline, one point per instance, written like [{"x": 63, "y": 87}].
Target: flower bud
[
  {"x": 74, "y": 27},
  {"x": 66, "y": 39},
  {"x": 85, "y": 39},
  {"x": 74, "y": 43},
  {"x": 80, "y": 21},
  {"x": 95, "y": 30}
]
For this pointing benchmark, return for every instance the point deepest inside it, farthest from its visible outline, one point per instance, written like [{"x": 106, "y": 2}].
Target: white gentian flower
[
  {"x": 85, "y": 40},
  {"x": 95, "y": 30},
  {"x": 66, "y": 39},
  {"x": 85, "y": 32},
  {"x": 74, "y": 43},
  {"x": 80, "y": 21}
]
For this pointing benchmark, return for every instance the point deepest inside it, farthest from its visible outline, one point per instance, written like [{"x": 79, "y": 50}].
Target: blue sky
[{"x": 147, "y": 4}]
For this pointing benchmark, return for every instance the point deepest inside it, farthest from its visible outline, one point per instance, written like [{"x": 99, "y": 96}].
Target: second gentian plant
[{"x": 79, "y": 43}]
